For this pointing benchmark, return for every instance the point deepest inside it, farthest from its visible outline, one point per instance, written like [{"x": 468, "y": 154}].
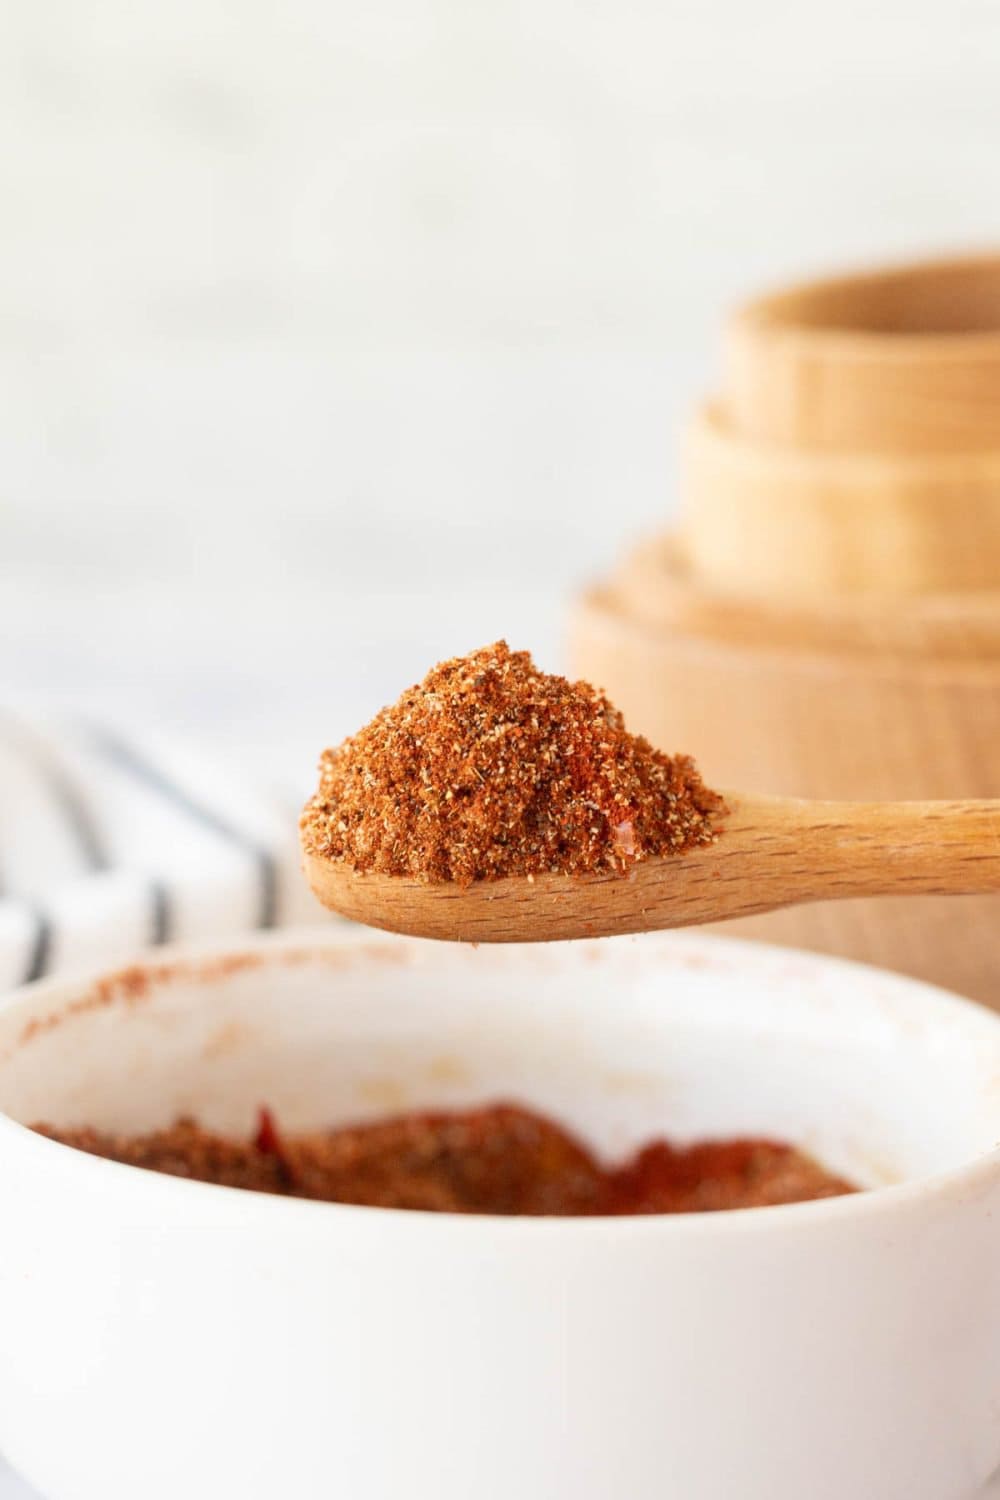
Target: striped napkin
[{"x": 111, "y": 842}]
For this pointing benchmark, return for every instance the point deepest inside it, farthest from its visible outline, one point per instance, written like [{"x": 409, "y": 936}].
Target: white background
[{"x": 337, "y": 337}]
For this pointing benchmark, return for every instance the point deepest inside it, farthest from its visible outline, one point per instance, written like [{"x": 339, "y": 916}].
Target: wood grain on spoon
[{"x": 770, "y": 852}]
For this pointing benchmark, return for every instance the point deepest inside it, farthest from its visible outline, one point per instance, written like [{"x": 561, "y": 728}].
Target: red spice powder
[
  {"x": 490, "y": 768},
  {"x": 499, "y": 1159}
]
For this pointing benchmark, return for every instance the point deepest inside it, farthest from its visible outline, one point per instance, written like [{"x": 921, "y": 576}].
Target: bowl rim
[
  {"x": 968, "y": 1177},
  {"x": 711, "y": 425},
  {"x": 604, "y": 607},
  {"x": 775, "y": 315}
]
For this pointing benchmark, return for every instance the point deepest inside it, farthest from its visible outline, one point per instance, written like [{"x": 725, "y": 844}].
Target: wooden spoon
[{"x": 770, "y": 852}]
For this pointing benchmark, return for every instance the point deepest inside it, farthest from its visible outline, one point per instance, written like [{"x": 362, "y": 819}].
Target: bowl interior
[
  {"x": 881, "y": 1078},
  {"x": 960, "y": 297}
]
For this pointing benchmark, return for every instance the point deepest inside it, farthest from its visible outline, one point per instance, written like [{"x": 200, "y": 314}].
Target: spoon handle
[{"x": 804, "y": 851}]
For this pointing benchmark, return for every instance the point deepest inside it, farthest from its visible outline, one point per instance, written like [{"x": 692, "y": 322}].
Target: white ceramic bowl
[{"x": 161, "y": 1338}]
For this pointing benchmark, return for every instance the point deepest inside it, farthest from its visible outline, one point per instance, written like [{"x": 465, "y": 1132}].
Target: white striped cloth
[{"x": 111, "y": 842}]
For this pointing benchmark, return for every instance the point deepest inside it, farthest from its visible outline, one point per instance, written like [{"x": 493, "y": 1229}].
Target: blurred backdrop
[{"x": 335, "y": 338}]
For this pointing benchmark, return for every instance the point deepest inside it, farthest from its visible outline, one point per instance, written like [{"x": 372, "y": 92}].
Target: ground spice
[
  {"x": 500, "y": 1159},
  {"x": 490, "y": 768}
]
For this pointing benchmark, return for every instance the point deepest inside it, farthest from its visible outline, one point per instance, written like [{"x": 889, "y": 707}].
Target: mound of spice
[
  {"x": 490, "y": 768},
  {"x": 499, "y": 1159}
]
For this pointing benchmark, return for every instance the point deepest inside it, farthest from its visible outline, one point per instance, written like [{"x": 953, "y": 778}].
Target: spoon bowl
[{"x": 770, "y": 852}]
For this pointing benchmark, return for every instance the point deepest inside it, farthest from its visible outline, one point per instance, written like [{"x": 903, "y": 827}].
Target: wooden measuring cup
[
  {"x": 855, "y": 444},
  {"x": 898, "y": 359},
  {"x": 825, "y": 620}
]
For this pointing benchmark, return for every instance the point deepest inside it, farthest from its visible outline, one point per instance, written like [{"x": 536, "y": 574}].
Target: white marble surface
[
  {"x": 337, "y": 338},
  {"x": 259, "y": 547},
  {"x": 446, "y": 174},
  {"x": 11, "y": 1488}
]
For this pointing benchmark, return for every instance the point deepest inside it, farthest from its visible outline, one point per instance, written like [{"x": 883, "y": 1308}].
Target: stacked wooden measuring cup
[{"x": 825, "y": 620}]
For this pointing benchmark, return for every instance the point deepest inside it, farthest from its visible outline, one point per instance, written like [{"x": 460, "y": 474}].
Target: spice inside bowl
[{"x": 500, "y": 1159}]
